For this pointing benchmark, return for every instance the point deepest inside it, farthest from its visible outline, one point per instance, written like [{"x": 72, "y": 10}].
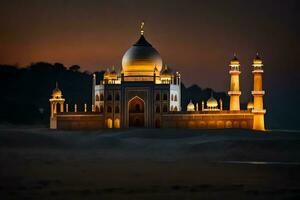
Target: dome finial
[
  {"x": 142, "y": 27},
  {"x": 257, "y": 56},
  {"x": 235, "y": 56}
]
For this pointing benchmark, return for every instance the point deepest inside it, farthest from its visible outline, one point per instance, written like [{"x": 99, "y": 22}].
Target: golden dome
[
  {"x": 141, "y": 59},
  {"x": 250, "y": 105},
  {"x": 166, "y": 71},
  {"x": 212, "y": 103},
  {"x": 106, "y": 74},
  {"x": 56, "y": 93},
  {"x": 113, "y": 73},
  {"x": 190, "y": 106}
]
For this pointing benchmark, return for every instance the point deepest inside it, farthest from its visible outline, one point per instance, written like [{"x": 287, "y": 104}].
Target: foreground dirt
[{"x": 36, "y": 163}]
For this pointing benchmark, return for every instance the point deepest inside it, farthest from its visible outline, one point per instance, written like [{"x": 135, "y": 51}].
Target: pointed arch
[{"x": 136, "y": 108}]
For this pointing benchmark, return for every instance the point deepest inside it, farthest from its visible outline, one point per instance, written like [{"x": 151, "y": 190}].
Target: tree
[
  {"x": 74, "y": 68},
  {"x": 59, "y": 66}
]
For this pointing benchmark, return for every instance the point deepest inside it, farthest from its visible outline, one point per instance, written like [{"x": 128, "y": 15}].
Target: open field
[{"x": 37, "y": 163}]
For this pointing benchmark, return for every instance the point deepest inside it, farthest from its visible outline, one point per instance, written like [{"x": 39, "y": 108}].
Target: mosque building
[{"x": 146, "y": 93}]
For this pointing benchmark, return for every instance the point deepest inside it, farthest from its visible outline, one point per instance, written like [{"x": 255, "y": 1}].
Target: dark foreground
[{"x": 36, "y": 163}]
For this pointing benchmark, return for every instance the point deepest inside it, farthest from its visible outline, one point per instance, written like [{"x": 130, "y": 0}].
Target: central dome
[{"x": 141, "y": 59}]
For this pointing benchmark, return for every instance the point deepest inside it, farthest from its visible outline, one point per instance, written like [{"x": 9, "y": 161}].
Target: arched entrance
[
  {"x": 109, "y": 123},
  {"x": 136, "y": 108}
]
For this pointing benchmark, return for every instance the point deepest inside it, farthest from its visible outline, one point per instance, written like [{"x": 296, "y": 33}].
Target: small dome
[
  {"x": 56, "y": 93},
  {"x": 166, "y": 71},
  {"x": 257, "y": 59},
  {"x": 113, "y": 73},
  {"x": 234, "y": 60},
  {"x": 190, "y": 106},
  {"x": 250, "y": 105},
  {"x": 212, "y": 103},
  {"x": 106, "y": 74}
]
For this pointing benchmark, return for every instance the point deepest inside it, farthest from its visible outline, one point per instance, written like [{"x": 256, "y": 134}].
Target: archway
[
  {"x": 97, "y": 97},
  {"x": 117, "y": 123},
  {"x": 109, "y": 123},
  {"x": 58, "y": 107},
  {"x": 97, "y": 109},
  {"x": 136, "y": 108}
]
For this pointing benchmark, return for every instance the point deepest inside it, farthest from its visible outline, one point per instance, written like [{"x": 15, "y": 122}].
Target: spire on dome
[
  {"x": 235, "y": 57},
  {"x": 257, "y": 62},
  {"x": 142, "y": 27},
  {"x": 257, "y": 56}
]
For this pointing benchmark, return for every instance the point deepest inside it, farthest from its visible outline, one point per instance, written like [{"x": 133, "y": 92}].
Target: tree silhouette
[{"x": 74, "y": 68}]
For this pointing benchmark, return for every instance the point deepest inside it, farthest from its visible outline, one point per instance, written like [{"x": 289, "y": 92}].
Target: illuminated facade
[{"x": 146, "y": 93}]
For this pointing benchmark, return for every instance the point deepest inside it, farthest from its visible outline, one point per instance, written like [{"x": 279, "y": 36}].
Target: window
[
  {"x": 109, "y": 109},
  {"x": 109, "y": 97},
  {"x": 165, "y": 97},
  {"x": 172, "y": 98},
  {"x": 171, "y": 108},
  {"x": 157, "y": 109},
  {"x": 165, "y": 108},
  {"x": 157, "y": 97},
  {"x": 117, "y": 97},
  {"x": 97, "y": 97},
  {"x": 101, "y": 97},
  {"x": 117, "y": 110},
  {"x": 175, "y": 109},
  {"x": 101, "y": 109},
  {"x": 175, "y": 98}
]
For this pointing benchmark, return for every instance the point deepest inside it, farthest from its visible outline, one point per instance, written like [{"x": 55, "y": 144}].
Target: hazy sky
[{"x": 197, "y": 38}]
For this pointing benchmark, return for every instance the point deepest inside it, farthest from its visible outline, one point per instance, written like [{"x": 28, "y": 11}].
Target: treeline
[{"x": 25, "y": 92}]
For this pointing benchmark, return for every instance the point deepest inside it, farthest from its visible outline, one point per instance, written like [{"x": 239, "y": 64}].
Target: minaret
[
  {"x": 234, "y": 91},
  {"x": 93, "y": 89},
  {"x": 57, "y": 98},
  {"x": 258, "y": 93}
]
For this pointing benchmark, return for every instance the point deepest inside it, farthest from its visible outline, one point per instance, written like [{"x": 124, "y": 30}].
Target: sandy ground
[{"x": 37, "y": 163}]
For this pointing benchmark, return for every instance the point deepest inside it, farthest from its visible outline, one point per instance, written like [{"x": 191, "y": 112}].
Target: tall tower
[
  {"x": 56, "y": 106},
  {"x": 258, "y": 93},
  {"x": 93, "y": 90},
  {"x": 234, "y": 91}
]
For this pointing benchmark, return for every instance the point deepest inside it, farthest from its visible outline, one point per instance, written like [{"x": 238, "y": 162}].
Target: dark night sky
[{"x": 197, "y": 38}]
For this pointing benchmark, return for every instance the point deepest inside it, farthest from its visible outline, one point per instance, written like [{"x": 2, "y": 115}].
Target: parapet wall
[
  {"x": 218, "y": 119},
  {"x": 212, "y": 119},
  {"x": 84, "y": 120}
]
